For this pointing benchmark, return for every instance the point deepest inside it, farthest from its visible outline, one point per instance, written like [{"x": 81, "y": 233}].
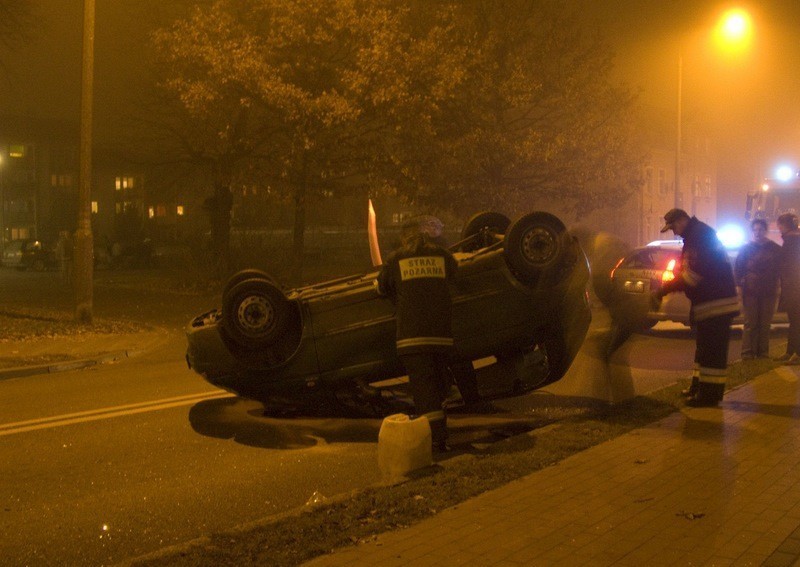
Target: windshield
[{"x": 775, "y": 201}]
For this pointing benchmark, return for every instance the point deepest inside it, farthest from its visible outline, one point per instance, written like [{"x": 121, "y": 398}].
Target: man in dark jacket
[
  {"x": 417, "y": 277},
  {"x": 756, "y": 272},
  {"x": 790, "y": 284},
  {"x": 707, "y": 279}
]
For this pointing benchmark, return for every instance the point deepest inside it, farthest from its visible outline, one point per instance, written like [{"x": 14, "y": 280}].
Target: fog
[{"x": 748, "y": 102}]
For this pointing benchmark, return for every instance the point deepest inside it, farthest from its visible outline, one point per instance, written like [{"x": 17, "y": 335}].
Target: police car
[{"x": 646, "y": 269}]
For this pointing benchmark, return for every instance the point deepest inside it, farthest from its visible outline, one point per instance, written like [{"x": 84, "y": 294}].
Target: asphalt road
[
  {"x": 100, "y": 465},
  {"x": 104, "y": 464}
]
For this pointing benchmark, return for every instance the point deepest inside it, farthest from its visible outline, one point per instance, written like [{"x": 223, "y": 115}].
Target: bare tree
[{"x": 16, "y": 22}]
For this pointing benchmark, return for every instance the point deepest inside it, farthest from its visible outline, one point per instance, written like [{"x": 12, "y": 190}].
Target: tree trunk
[
  {"x": 220, "y": 213},
  {"x": 298, "y": 237}
]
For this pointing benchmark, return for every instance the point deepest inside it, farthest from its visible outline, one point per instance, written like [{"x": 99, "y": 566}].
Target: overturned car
[{"x": 519, "y": 301}]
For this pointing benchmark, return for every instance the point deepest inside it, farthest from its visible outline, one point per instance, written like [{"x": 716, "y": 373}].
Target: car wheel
[
  {"x": 483, "y": 225},
  {"x": 254, "y": 313},
  {"x": 536, "y": 246},
  {"x": 248, "y": 274}
]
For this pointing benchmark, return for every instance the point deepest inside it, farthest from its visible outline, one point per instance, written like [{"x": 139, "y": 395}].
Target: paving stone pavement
[{"x": 701, "y": 487}]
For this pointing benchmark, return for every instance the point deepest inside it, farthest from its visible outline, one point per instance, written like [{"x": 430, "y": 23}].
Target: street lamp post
[
  {"x": 2, "y": 211},
  {"x": 732, "y": 33},
  {"x": 678, "y": 195},
  {"x": 83, "y": 248}
]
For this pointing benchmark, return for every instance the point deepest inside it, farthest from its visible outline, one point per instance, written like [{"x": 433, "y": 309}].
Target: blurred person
[
  {"x": 756, "y": 272},
  {"x": 707, "y": 279},
  {"x": 790, "y": 284},
  {"x": 417, "y": 277}
]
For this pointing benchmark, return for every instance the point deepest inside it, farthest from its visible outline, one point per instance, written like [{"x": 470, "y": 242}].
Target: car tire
[
  {"x": 248, "y": 274},
  {"x": 536, "y": 247},
  {"x": 489, "y": 221},
  {"x": 255, "y": 313}
]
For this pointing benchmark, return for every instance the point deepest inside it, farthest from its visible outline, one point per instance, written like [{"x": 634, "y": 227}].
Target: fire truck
[{"x": 771, "y": 198}]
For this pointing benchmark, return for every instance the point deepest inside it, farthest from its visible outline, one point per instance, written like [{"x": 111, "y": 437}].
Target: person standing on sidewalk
[
  {"x": 756, "y": 271},
  {"x": 790, "y": 284},
  {"x": 417, "y": 278},
  {"x": 707, "y": 279}
]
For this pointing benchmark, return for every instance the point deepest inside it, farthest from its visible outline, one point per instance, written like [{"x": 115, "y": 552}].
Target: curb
[{"x": 21, "y": 371}]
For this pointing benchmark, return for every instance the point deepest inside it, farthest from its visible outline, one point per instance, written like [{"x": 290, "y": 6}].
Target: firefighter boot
[
  {"x": 707, "y": 396},
  {"x": 439, "y": 436},
  {"x": 692, "y": 389}
]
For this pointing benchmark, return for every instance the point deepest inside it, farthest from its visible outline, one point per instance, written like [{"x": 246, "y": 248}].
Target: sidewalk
[
  {"x": 56, "y": 354},
  {"x": 701, "y": 487}
]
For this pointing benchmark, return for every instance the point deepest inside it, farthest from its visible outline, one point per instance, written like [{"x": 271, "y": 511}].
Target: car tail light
[
  {"x": 614, "y": 269},
  {"x": 669, "y": 274}
]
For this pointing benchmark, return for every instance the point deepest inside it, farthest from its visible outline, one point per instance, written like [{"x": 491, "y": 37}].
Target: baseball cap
[{"x": 671, "y": 217}]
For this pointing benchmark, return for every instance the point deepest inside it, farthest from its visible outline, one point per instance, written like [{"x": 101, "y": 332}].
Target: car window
[
  {"x": 639, "y": 259},
  {"x": 650, "y": 259}
]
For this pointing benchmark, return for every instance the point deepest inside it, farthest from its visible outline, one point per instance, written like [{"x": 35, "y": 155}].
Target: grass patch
[
  {"x": 294, "y": 538},
  {"x": 20, "y": 324}
]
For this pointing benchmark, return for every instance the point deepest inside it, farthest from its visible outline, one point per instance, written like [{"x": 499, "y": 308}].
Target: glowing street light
[{"x": 734, "y": 31}]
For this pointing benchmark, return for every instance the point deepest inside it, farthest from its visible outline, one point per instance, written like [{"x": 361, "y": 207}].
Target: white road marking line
[{"x": 107, "y": 413}]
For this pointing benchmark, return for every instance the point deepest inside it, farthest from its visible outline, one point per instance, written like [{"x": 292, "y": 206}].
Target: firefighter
[
  {"x": 707, "y": 279},
  {"x": 417, "y": 278}
]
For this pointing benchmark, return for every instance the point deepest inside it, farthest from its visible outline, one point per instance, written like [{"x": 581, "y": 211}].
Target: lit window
[
  {"x": 179, "y": 210},
  {"x": 151, "y": 212},
  {"x": 16, "y": 150},
  {"x": 123, "y": 183},
  {"x": 118, "y": 208},
  {"x": 94, "y": 207}
]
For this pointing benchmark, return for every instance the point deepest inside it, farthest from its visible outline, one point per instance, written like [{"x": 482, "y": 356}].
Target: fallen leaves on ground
[{"x": 23, "y": 324}]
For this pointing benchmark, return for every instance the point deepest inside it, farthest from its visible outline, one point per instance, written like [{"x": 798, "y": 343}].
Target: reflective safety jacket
[
  {"x": 705, "y": 274},
  {"x": 419, "y": 284}
]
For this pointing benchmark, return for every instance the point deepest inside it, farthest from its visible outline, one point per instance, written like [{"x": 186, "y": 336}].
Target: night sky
[{"x": 750, "y": 104}]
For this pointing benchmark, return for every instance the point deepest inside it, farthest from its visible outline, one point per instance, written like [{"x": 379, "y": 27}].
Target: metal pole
[
  {"x": 678, "y": 196},
  {"x": 2, "y": 210},
  {"x": 83, "y": 251}
]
